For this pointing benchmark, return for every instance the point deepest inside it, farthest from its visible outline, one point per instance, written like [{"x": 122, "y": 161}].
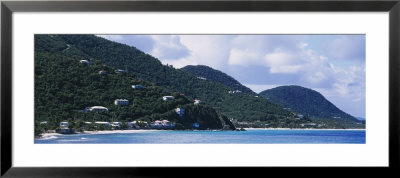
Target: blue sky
[{"x": 333, "y": 65}]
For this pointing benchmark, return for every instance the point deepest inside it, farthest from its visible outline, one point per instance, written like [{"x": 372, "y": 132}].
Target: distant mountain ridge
[
  {"x": 360, "y": 118},
  {"x": 307, "y": 102},
  {"x": 208, "y": 73}
]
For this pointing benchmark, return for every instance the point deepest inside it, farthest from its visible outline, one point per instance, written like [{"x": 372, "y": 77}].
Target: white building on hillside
[
  {"x": 235, "y": 91},
  {"x": 119, "y": 71},
  {"x": 157, "y": 124},
  {"x": 98, "y": 109},
  {"x": 137, "y": 86},
  {"x": 121, "y": 102},
  {"x": 196, "y": 101},
  {"x": 85, "y": 62},
  {"x": 116, "y": 124},
  {"x": 102, "y": 72},
  {"x": 202, "y": 78},
  {"x": 180, "y": 111},
  {"x": 167, "y": 98},
  {"x": 64, "y": 124},
  {"x": 138, "y": 124},
  {"x": 103, "y": 123},
  {"x": 166, "y": 123}
]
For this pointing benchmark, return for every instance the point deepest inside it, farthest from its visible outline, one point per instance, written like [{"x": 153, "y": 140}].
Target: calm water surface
[{"x": 214, "y": 137}]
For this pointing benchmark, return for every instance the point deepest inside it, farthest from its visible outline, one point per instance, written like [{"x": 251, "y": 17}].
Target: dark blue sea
[{"x": 251, "y": 136}]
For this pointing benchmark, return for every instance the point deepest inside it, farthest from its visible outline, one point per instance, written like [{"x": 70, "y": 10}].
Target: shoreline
[
  {"x": 50, "y": 135},
  {"x": 296, "y": 129},
  {"x": 115, "y": 131}
]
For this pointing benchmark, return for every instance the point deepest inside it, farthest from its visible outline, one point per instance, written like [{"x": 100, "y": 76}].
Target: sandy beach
[
  {"x": 52, "y": 135},
  {"x": 115, "y": 131}
]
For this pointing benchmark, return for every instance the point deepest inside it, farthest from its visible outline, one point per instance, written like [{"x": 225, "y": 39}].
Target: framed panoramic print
[{"x": 137, "y": 88}]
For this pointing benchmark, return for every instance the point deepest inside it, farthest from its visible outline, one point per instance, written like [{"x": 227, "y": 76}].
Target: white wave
[{"x": 49, "y": 137}]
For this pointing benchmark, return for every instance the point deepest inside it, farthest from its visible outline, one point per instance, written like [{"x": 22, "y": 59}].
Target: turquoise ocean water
[{"x": 250, "y": 136}]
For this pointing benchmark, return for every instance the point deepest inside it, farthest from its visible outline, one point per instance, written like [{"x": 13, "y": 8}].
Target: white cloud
[
  {"x": 281, "y": 62},
  {"x": 244, "y": 57},
  {"x": 143, "y": 42},
  {"x": 347, "y": 47},
  {"x": 168, "y": 47},
  {"x": 211, "y": 50},
  {"x": 112, "y": 37},
  {"x": 179, "y": 63},
  {"x": 302, "y": 45}
]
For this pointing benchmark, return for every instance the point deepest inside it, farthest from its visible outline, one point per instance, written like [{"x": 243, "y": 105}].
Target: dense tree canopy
[
  {"x": 64, "y": 87},
  {"x": 208, "y": 73},
  {"x": 307, "y": 102}
]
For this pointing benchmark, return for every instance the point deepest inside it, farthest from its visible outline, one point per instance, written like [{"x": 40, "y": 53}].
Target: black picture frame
[{"x": 8, "y": 7}]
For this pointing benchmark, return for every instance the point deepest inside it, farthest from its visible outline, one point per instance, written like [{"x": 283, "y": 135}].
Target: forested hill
[
  {"x": 240, "y": 106},
  {"x": 64, "y": 87},
  {"x": 307, "y": 102},
  {"x": 208, "y": 73}
]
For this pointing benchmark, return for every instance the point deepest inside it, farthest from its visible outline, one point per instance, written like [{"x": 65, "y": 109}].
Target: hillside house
[
  {"x": 156, "y": 124},
  {"x": 116, "y": 124},
  {"x": 196, "y": 101},
  {"x": 196, "y": 125},
  {"x": 63, "y": 124},
  {"x": 97, "y": 109},
  {"x": 235, "y": 91},
  {"x": 121, "y": 102},
  {"x": 102, "y": 72},
  {"x": 166, "y": 123},
  {"x": 202, "y": 78},
  {"x": 85, "y": 62},
  {"x": 133, "y": 124},
  {"x": 137, "y": 86},
  {"x": 107, "y": 124},
  {"x": 180, "y": 111},
  {"x": 119, "y": 71},
  {"x": 138, "y": 124},
  {"x": 309, "y": 125},
  {"x": 167, "y": 98},
  {"x": 63, "y": 129}
]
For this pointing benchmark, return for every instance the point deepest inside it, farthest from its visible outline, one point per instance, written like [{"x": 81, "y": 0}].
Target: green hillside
[
  {"x": 64, "y": 87},
  {"x": 145, "y": 67},
  {"x": 208, "y": 73},
  {"x": 309, "y": 103}
]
